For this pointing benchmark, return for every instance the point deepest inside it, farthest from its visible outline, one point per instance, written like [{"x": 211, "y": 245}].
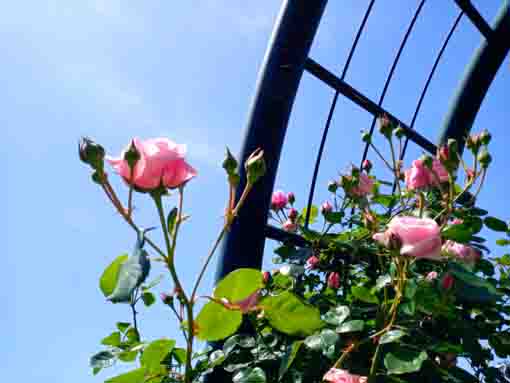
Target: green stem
[
  {"x": 381, "y": 157},
  {"x": 374, "y": 360},
  {"x": 396, "y": 170}
]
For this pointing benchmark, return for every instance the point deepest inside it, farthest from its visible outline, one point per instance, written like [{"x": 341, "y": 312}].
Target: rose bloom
[
  {"x": 462, "y": 252},
  {"x": 420, "y": 176},
  {"x": 279, "y": 200},
  {"x": 336, "y": 375},
  {"x": 364, "y": 187},
  {"x": 417, "y": 237},
  {"x": 161, "y": 162}
]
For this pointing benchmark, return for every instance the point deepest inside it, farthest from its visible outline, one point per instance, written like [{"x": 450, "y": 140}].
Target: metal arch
[
  {"x": 332, "y": 111},
  {"x": 477, "y": 79},
  {"x": 276, "y": 89},
  {"x": 392, "y": 71}
]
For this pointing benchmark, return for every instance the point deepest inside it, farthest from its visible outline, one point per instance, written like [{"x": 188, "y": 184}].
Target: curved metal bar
[
  {"x": 477, "y": 79},
  {"x": 332, "y": 111},
  {"x": 478, "y": 21},
  {"x": 277, "y": 85},
  {"x": 392, "y": 70},
  {"x": 429, "y": 79}
]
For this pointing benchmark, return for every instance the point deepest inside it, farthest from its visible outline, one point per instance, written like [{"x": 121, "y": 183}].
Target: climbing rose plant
[{"x": 372, "y": 286}]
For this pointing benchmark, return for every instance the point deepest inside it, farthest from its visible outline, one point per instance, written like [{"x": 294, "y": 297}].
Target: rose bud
[
  {"x": 484, "y": 158},
  {"x": 293, "y": 214},
  {"x": 473, "y": 143},
  {"x": 470, "y": 173},
  {"x": 431, "y": 276},
  {"x": 366, "y": 165},
  {"x": 447, "y": 282},
  {"x": 290, "y": 226},
  {"x": 167, "y": 299},
  {"x": 443, "y": 153},
  {"x": 278, "y": 200},
  {"x": 334, "y": 280},
  {"x": 266, "y": 277},
  {"x": 255, "y": 166},
  {"x": 312, "y": 262},
  {"x": 326, "y": 207},
  {"x": 400, "y": 132},
  {"x": 91, "y": 153},
  {"x": 485, "y": 137},
  {"x": 332, "y": 186},
  {"x": 291, "y": 198},
  {"x": 230, "y": 164},
  {"x": 366, "y": 137},
  {"x": 385, "y": 126}
]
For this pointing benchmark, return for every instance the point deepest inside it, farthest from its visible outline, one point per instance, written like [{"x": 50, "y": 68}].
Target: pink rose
[
  {"x": 312, "y": 262},
  {"x": 420, "y": 176},
  {"x": 279, "y": 200},
  {"x": 161, "y": 162},
  {"x": 334, "y": 280},
  {"x": 462, "y": 252},
  {"x": 336, "y": 375},
  {"x": 290, "y": 226},
  {"x": 417, "y": 237},
  {"x": 364, "y": 187}
]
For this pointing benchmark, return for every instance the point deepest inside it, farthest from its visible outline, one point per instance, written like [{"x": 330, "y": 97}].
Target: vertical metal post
[
  {"x": 477, "y": 79},
  {"x": 276, "y": 89}
]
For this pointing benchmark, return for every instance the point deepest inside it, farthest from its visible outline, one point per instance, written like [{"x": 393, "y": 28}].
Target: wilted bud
[
  {"x": 132, "y": 155},
  {"x": 230, "y": 164},
  {"x": 255, "y": 166},
  {"x": 291, "y": 198},
  {"x": 385, "y": 126},
  {"x": 484, "y": 158},
  {"x": 366, "y": 137},
  {"x": 400, "y": 132},
  {"x": 366, "y": 166},
  {"x": 91, "y": 153},
  {"x": 485, "y": 137},
  {"x": 332, "y": 186}
]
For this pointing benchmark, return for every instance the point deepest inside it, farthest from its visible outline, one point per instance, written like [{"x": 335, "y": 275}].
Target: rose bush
[{"x": 389, "y": 287}]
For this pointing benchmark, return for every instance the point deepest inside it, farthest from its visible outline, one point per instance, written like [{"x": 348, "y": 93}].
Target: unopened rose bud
[
  {"x": 266, "y": 277},
  {"x": 332, "y": 186},
  {"x": 334, "y": 280},
  {"x": 132, "y": 155},
  {"x": 91, "y": 153},
  {"x": 473, "y": 143},
  {"x": 485, "y": 137},
  {"x": 255, "y": 166},
  {"x": 366, "y": 165},
  {"x": 452, "y": 145},
  {"x": 443, "y": 153},
  {"x": 470, "y": 173},
  {"x": 312, "y": 263},
  {"x": 293, "y": 214},
  {"x": 484, "y": 158},
  {"x": 385, "y": 126},
  {"x": 230, "y": 163},
  {"x": 278, "y": 200},
  {"x": 326, "y": 207},
  {"x": 167, "y": 299},
  {"x": 431, "y": 276},
  {"x": 366, "y": 137},
  {"x": 447, "y": 282},
  {"x": 400, "y": 132},
  {"x": 291, "y": 198}
]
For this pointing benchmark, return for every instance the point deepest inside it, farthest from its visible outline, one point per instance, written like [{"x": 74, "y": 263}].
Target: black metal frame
[{"x": 286, "y": 60}]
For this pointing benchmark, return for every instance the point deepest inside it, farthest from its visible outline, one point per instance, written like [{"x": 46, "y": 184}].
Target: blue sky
[{"x": 117, "y": 69}]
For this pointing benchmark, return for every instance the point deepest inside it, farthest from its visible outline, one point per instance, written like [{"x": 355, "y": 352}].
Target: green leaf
[
  {"x": 216, "y": 358},
  {"x": 288, "y": 358},
  {"x": 128, "y": 356},
  {"x": 154, "y": 282},
  {"x": 503, "y": 242},
  {"x": 408, "y": 308},
  {"x": 504, "y": 260},
  {"x": 109, "y": 277},
  {"x": 459, "y": 233},
  {"x": 314, "y": 342},
  {"x": 134, "y": 376},
  {"x": 170, "y": 220},
  {"x": 112, "y": 340},
  {"x": 391, "y": 336},
  {"x": 102, "y": 359},
  {"x": 155, "y": 353},
  {"x": 337, "y": 315},
  {"x": 288, "y": 314},
  {"x": 404, "y": 361},
  {"x": 334, "y": 216},
  {"x": 477, "y": 211},
  {"x": 495, "y": 224},
  {"x": 216, "y": 322},
  {"x": 351, "y": 326},
  {"x": 410, "y": 289},
  {"x": 179, "y": 355},
  {"x": 148, "y": 298},
  {"x": 250, "y": 375},
  {"x": 314, "y": 212},
  {"x": 239, "y": 284},
  {"x": 385, "y": 200},
  {"x": 364, "y": 294}
]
